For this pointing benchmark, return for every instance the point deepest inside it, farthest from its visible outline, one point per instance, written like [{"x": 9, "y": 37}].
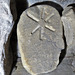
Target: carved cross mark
[{"x": 40, "y": 27}]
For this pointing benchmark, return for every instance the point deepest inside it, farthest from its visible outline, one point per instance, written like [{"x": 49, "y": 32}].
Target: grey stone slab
[{"x": 40, "y": 39}]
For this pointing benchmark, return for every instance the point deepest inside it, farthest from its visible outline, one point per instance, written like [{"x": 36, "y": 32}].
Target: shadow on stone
[
  {"x": 21, "y": 5},
  {"x": 63, "y": 52},
  {"x": 73, "y": 5}
]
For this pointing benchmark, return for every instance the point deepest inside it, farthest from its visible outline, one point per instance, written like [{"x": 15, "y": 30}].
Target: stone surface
[
  {"x": 68, "y": 20},
  {"x": 6, "y": 24},
  {"x": 63, "y": 3},
  {"x": 40, "y": 39}
]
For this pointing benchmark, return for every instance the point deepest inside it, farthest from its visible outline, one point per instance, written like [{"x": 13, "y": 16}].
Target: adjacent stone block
[
  {"x": 40, "y": 39},
  {"x": 68, "y": 20}
]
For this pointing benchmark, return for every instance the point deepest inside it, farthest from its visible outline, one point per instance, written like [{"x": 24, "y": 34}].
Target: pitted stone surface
[{"x": 40, "y": 39}]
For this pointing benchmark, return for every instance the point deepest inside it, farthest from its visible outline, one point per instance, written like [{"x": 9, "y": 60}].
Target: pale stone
[
  {"x": 6, "y": 25},
  {"x": 40, "y": 41},
  {"x": 68, "y": 20}
]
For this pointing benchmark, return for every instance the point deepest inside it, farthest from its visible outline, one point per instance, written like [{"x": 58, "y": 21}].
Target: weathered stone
[
  {"x": 6, "y": 24},
  {"x": 40, "y": 39},
  {"x": 68, "y": 20}
]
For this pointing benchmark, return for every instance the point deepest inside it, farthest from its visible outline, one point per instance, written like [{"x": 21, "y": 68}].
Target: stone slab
[{"x": 40, "y": 38}]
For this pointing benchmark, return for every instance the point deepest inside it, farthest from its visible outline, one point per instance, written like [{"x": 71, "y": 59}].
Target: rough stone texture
[
  {"x": 40, "y": 39},
  {"x": 68, "y": 20},
  {"x": 63, "y": 3},
  {"x": 6, "y": 24}
]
